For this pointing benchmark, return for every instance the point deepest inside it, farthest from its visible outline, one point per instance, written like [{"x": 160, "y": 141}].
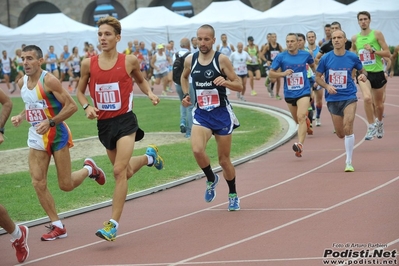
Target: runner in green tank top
[
  {"x": 395, "y": 60},
  {"x": 371, "y": 47},
  {"x": 253, "y": 65}
]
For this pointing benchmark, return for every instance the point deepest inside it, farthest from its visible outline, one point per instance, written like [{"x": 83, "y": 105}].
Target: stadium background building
[{"x": 17, "y": 12}]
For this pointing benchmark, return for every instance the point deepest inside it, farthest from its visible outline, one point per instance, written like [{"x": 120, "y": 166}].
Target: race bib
[
  {"x": 295, "y": 81},
  {"x": 108, "y": 96},
  {"x": 208, "y": 99},
  {"x": 241, "y": 70},
  {"x": 34, "y": 113},
  {"x": 273, "y": 54},
  {"x": 366, "y": 57},
  {"x": 338, "y": 78}
]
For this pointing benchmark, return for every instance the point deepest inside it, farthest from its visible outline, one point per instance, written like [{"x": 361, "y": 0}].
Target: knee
[
  {"x": 224, "y": 162},
  {"x": 65, "y": 187},
  {"x": 301, "y": 119},
  {"x": 120, "y": 170},
  {"x": 367, "y": 99},
  {"x": 39, "y": 185},
  {"x": 340, "y": 135}
]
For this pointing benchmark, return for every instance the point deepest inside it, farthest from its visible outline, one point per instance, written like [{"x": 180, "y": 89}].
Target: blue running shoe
[
  {"x": 210, "y": 192},
  {"x": 234, "y": 202},
  {"x": 152, "y": 151},
  {"x": 108, "y": 232}
]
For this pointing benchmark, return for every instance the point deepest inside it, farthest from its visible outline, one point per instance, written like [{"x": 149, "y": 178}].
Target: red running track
[{"x": 293, "y": 210}]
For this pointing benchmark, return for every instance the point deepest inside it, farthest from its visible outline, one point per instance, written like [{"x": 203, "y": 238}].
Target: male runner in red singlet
[{"x": 109, "y": 76}]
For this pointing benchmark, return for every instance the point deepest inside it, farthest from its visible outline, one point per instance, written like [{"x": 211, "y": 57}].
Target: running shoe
[
  {"x": 278, "y": 97},
  {"x": 318, "y": 123},
  {"x": 182, "y": 129},
  {"x": 297, "y": 147},
  {"x": 152, "y": 151},
  {"x": 371, "y": 132},
  {"x": 108, "y": 232},
  {"x": 349, "y": 168},
  {"x": 54, "y": 232},
  {"x": 210, "y": 192},
  {"x": 21, "y": 245},
  {"x": 234, "y": 202},
  {"x": 70, "y": 88},
  {"x": 97, "y": 173},
  {"x": 380, "y": 129},
  {"x": 270, "y": 90},
  {"x": 253, "y": 93}
]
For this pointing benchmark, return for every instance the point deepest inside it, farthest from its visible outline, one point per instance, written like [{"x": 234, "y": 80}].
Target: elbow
[{"x": 73, "y": 108}]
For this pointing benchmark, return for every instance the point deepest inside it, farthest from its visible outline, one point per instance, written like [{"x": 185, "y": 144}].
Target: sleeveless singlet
[
  {"x": 111, "y": 90},
  {"x": 371, "y": 62},
  {"x": 208, "y": 95},
  {"x": 39, "y": 106}
]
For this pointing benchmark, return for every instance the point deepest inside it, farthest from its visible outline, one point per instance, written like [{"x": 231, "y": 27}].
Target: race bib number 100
[{"x": 108, "y": 97}]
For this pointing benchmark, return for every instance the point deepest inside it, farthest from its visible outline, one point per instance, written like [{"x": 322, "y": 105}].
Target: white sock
[
  {"x": 349, "y": 144},
  {"x": 89, "y": 169},
  {"x": 58, "y": 224},
  {"x": 17, "y": 233},
  {"x": 150, "y": 159},
  {"x": 115, "y": 223}
]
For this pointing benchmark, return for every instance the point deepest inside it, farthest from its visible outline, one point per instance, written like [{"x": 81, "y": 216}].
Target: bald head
[{"x": 185, "y": 43}]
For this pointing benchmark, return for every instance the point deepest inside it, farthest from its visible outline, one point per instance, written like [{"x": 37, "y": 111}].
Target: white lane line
[{"x": 286, "y": 224}]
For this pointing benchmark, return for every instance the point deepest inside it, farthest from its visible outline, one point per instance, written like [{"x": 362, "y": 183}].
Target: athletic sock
[
  {"x": 349, "y": 144},
  {"x": 232, "y": 185},
  {"x": 318, "y": 111},
  {"x": 17, "y": 233},
  {"x": 210, "y": 176}
]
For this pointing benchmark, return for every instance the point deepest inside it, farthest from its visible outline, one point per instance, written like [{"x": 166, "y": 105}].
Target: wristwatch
[
  {"x": 85, "y": 106},
  {"x": 372, "y": 50},
  {"x": 185, "y": 95},
  {"x": 51, "y": 122},
  {"x": 2, "y": 130}
]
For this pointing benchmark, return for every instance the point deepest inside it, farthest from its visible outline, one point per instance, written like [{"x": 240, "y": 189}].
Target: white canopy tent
[
  {"x": 148, "y": 24},
  {"x": 305, "y": 15},
  {"x": 290, "y": 8},
  {"x": 292, "y": 16},
  {"x": 226, "y": 17},
  {"x": 384, "y": 17},
  {"x": 49, "y": 29},
  {"x": 4, "y": 29},
  {"x": 373, "y": 5}
]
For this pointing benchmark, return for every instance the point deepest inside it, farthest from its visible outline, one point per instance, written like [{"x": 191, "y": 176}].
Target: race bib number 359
[{"x": 108, "y": 97}]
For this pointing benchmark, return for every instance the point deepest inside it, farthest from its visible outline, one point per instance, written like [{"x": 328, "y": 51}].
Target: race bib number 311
[{"x": 108, "y": 97}]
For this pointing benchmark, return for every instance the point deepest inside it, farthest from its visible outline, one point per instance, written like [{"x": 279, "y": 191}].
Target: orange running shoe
[{"x": 297, "y": 147}]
